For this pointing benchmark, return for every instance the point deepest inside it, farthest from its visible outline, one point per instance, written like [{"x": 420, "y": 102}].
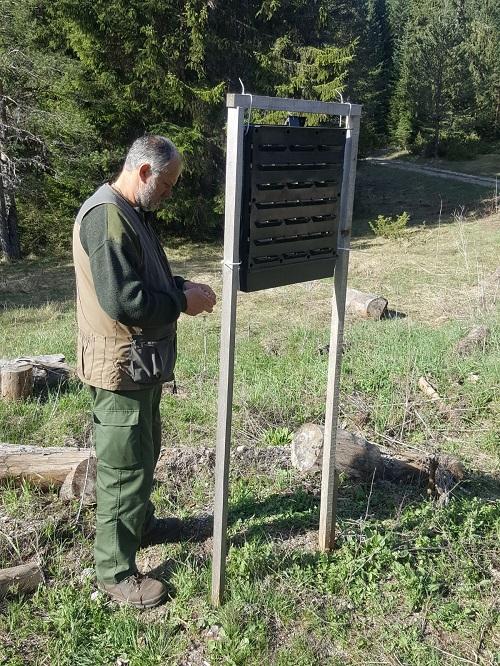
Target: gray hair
[{"x": 152, "y": 149}]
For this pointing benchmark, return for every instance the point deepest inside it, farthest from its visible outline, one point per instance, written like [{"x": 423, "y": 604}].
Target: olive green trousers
[{"x": 127, "y": 442}]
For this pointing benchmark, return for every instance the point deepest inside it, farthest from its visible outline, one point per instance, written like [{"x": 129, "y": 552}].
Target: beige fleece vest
[{"x": 104, "y": 345}]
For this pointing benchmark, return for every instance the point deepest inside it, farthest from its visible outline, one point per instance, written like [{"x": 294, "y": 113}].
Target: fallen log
[
  {"x": 358, "y": 458},
  {"x": 20, "y": 580},
  {"x": 355, "y": 456},
  {"x": 44, "y": 466},
  {"x": 365, "y": 306},
  {"x": 75, "y": 469}
]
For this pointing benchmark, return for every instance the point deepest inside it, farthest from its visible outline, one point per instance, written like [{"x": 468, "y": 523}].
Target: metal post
[
  {"x": 329, "y": 480},
  {"x": 234, "y": 168}
]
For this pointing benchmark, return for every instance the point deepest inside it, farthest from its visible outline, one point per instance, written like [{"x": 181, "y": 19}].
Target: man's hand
[
  {"x": 198, "y": 300},
  {"x": 208, "y": 291}
]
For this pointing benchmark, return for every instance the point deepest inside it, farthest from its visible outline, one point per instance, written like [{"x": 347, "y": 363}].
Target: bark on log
[
  {"x": 354, "y": 455},
  {"x": 80, "y": 483},
  {"x": 366, "y": 306},
  {"x": 43, "y": 466},
  {"x": 476, "y": 337},
  {"x": 22, "y": 579},
  {"x": 358, "y": 458},
  {"x": 17, "y": 382}
]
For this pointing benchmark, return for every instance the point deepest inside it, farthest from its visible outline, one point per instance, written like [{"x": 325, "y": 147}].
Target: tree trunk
[
  {"x": 438, "y": 113},
  {"x": 9, "y": 236},
  {"x": 17, "y": 382},
  {"x": 21, "y": 579},
  {"x": 354, "y": 455}
]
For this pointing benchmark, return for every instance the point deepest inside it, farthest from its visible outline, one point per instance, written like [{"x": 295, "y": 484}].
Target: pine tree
[{"x": 446, "y": 92}]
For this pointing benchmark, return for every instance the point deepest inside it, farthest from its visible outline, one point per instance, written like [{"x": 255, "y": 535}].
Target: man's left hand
[{"x": 208, "y": 291}]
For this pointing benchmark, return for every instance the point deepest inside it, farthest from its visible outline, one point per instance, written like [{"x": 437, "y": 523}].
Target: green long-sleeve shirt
[{"x": 116, "y": 261}]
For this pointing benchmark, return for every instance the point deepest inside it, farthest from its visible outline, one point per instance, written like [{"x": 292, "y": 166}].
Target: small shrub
[
  {"x": 459, "y": 145},
  {"x": 389, "y": 227},
  {"x": 278, "y": 436}
]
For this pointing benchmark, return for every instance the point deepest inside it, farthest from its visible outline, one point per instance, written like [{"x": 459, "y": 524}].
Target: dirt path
[{"x": 486, "y": 181}]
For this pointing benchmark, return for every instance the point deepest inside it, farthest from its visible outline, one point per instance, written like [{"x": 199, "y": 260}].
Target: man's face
[{"x": 155, "y": 188}]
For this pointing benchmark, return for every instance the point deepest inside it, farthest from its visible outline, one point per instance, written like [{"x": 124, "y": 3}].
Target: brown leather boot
[
  {"x": 136, "y": 590},
  {"x": 162, "y": 530}
]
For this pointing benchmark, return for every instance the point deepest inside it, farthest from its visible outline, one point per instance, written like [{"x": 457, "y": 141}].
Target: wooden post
[
  {"x": 329, "y": 480},
  {"x": 234, "y": 170},
  {"x": 17, "y": 382}
]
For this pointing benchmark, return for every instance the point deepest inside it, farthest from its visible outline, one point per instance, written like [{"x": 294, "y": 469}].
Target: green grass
[{"x": 410, "y": 582}]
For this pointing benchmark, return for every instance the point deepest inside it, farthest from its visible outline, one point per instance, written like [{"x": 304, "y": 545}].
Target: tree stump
[
  {"x": 17, "y": 382},
  {"x": 49, "y": 371}
]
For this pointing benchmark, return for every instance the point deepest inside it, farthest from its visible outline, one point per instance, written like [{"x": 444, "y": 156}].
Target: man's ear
[{"x": 145, "y": 172}]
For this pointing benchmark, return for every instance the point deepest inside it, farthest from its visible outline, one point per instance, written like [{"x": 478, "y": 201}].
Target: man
[{"x": 128, "y": 303}]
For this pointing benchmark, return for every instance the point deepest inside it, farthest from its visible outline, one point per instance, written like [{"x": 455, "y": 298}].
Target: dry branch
[{"x": 428, "y": 389}]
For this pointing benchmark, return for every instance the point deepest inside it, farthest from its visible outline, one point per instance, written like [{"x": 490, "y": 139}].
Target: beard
[{"x": 146, "y": 196}]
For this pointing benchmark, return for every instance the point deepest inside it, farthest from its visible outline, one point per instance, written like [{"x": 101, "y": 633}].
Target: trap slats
[
  {"x": 290, "y": 191},
  {"x": 302, "y": 226},
  {"x": 292, "y": 181}
]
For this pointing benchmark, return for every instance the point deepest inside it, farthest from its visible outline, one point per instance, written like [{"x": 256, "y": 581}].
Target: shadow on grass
[{"x": 427, "y": 199}]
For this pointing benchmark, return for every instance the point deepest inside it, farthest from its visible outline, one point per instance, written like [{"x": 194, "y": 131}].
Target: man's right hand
[{"x": 197, "y": 301}]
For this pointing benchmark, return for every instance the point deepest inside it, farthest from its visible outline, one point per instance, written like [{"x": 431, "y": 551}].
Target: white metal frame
[{"x": 237, "y": 104}]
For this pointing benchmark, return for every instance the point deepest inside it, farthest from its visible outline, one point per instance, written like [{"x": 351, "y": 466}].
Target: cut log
[
  {"x": 43, "y": 466},
  {"x": 365, "y": 306},
  {"x": 358, "y": 458},
  {"x": 80, "y": 483},
  {"x": 355, "y": 456},
  {"x": 17, "y": 382},
  {"x": 476, "y": 338},
  {"x": 48, "y": 371},
  {"x": 19, "y": 580}
]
